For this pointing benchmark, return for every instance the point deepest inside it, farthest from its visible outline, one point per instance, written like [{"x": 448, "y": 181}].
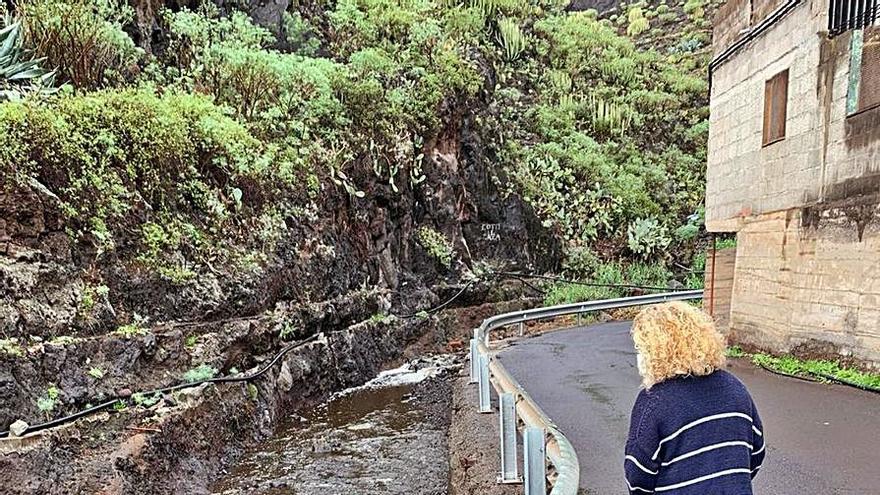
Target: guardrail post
[
  {"x": 475, "y": 362},
  {"x": 485, "y": 404},
  {"x": 578, "y": 319},
  {"x": 522, "y": 329},
  {"x": 509, "y": 469},
  {"x": 534, "y": 462}
]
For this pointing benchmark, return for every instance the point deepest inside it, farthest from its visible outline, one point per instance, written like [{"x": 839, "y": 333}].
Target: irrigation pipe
[
  {"x": 844, "y": 381},
  {"x": 223, "y": 379},
  {"x": 438, "y": 307},
  {"x": 588, "y": 284},
  {"x": 165, "y": 390},
  {"x": 247, "y": 378},
  {"x": 788, "y": 375}
]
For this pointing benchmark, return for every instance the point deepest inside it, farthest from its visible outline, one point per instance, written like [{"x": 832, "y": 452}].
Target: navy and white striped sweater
[{"x": 694, "y": 436}]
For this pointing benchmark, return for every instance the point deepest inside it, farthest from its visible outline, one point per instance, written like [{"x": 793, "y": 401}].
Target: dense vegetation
[{"x": 193, "y": 151}]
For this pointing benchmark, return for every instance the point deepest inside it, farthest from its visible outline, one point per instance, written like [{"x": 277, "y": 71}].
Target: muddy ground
[{"x": 474, "y": 458}]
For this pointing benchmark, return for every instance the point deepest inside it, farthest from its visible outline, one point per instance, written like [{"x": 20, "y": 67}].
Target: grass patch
[
  {"x": 63, "y": 340},
  {"x": 820, "y": 369},
  {"x": 562, "y": 293},
  {"x": 11, "y": 347},
  {"x": 130, "y": 330},
  {"x": 735, "y": 352},
  {"x": 200, "y": 373}
]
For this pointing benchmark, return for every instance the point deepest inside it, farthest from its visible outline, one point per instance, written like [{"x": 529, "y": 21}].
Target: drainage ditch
[{"x": 388, "y": 436}]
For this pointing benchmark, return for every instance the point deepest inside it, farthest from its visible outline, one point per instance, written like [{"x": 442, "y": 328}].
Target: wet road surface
[{"x": 821, "y": 439}]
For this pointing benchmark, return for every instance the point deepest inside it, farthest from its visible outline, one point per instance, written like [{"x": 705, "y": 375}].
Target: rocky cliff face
[{"x": 47, "y": 279}]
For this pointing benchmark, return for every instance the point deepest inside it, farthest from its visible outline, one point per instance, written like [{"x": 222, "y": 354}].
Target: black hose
[
  {"x": 825, "y": 376},
  {"x": 589, "y": 284},
  {"x": 768, "y": 22},
  {"x": 530, "y": 285},
  {"x": 227, "y": 379},
  {"x": 165, "y": 390},
  {"x": 788, "y": 375},
  {"x": 844, "y": 381},
  {"x": 104, "y": 405},
  {"x": 438, "y": 307}
]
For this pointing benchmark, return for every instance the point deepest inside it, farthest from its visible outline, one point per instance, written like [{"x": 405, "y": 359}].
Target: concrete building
[{"x": 794, "y": 171}]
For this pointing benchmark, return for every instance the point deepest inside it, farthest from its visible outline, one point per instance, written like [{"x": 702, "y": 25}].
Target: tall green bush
[{"x": 83, "y": 39}]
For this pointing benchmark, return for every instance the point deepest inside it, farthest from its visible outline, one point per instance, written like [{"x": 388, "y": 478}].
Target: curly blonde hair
[{"x": 675, "y": 339}]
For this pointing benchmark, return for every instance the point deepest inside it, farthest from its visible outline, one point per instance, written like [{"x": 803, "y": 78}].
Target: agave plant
[
  {"x": 512, "y": 38},
  {"x": 20, "y": 72}
]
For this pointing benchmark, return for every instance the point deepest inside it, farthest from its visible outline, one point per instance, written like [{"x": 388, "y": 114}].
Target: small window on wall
[
  {"x": 775, "y": 103},
  {"x": 864, "y": 70}
]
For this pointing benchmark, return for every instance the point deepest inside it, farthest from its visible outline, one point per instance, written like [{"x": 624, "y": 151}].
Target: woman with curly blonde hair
[{"x": 694, "y": 428}]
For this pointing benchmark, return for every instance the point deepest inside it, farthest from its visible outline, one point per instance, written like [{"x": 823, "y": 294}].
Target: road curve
[{"x": 821, "y": 439}]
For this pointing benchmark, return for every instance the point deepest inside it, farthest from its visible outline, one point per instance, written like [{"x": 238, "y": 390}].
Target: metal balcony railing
[{"x": 844, "y": 15}]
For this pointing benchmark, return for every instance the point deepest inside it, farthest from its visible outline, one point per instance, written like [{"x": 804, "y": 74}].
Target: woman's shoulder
[
  {"x": 729, "y": 379},
  {"x": 687, "y": 385}
]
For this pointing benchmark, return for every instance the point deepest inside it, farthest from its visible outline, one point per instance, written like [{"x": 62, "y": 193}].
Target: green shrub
[
  {"x": 580, "y": 261},
  {"x": 142, "y": 400},
  {"x": 287, "y": 330},
  {"x": 436, "y": 245},
  {"x": 96, "y": 53},
  {"x": 90, "y": 296},
  {"x": 512, "y": 38},
  {"x": 637, "y": 22},
  {"x": 648, "y": 274},
  {"x": 668, "y": 17},
  {"x": 46, "y": 404},
  {"x": 695, "y": 8},
  {"x": 108, "y": 152},
  {"x": 725, "y": 243},
  {"x": 299, "y": 34},
  {"x": 572, "y": 293},
  {"x": 11, "y": 347},
  {"x": 200, "y": 373},
  {"x": 646, "y": 237}
]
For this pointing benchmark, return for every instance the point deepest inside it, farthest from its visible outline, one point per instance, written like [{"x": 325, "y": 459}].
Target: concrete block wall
[
  {"x": 719, "y": 286},
  {"x": 744, "y": 177},
  {"x": 806, "y": 209},
  {"x": 731, "y": 19},
  {"x": 808, "y": 289}
]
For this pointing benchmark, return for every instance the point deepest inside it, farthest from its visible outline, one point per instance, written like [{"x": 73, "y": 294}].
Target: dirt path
[
  {"x": 821, "y": 438},
  {"x": 473, "y": 443}
]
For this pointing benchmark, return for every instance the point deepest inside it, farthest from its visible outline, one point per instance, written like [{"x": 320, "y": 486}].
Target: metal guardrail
[{"x": 544, "y": 443}]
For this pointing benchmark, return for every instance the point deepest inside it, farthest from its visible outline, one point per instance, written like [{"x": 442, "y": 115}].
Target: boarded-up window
[
  {"x": 869, "y": 84},
  {"x": 775, "y": 103}
]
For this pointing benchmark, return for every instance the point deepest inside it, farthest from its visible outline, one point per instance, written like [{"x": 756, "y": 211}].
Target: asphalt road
[{"x": 821, "y": 439}]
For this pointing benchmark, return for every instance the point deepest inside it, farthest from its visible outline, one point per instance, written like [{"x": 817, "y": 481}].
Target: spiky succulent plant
[{"x": 20, "y": 71}]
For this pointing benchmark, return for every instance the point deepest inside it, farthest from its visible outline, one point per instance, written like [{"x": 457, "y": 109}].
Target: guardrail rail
[{"x": 544, "y": 444}]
